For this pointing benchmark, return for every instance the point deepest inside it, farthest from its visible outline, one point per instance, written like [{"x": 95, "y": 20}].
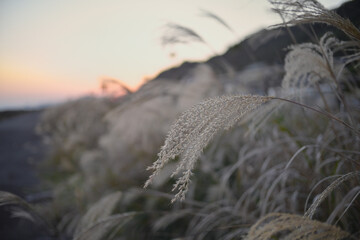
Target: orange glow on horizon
[{"x": 24, "y": 81}]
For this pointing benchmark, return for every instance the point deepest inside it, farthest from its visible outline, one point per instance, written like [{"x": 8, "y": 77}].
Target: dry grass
[
  {"x": 289, "y": 226},
  {"x": 231, "y": 179},
  {"x": 98, "y": 211},
  {"x": 103, "y": 227},
  {"x": 192, "y": 132},
  {"x": 310, "y": 11},
  {"x": 176, "y": 34},
  {"x": 311, "y": 211},
  {"x": 21, "y": 209}
]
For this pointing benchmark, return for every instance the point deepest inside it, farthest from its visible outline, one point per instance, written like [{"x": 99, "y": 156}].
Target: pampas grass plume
[{"x": 194, "y": 129}]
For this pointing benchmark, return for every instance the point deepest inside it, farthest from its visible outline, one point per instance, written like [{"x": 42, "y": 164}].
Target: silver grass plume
[
  {"x": 310, "y": 11},
  {"x": 176, "y": 33},
  {"x": 194, "y": 129},
  {"x": 290, "y": 226},
  {"x": 209, "y": 14},
  {"x": 307, "y": 64},
  {"x": 312, "y": 209}
]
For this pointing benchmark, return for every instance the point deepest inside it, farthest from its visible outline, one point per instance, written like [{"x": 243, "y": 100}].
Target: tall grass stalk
[{"x": 193, "y": 131}]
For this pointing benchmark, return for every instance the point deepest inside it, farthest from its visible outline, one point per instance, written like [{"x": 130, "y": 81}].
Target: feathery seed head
[
  {"x": 310, "y": 11},
  {"x": 307, "y": 64},
  {"x": 194, "y": 129},
  {"x": 290, "y": 226},
  {"x": 179, "y": 34}
]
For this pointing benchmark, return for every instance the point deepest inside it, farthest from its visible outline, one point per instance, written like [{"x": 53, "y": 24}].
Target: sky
[{"x": 51, "y": 51}]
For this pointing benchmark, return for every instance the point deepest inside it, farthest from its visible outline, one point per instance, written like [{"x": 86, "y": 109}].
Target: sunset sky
[{"x": 54, "y": 50}]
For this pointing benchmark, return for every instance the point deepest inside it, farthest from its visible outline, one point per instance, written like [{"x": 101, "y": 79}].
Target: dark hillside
[{"x": 269, "y": 45}]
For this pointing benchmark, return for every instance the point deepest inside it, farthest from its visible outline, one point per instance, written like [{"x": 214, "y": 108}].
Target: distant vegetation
[{"x": 12, "y": 113}]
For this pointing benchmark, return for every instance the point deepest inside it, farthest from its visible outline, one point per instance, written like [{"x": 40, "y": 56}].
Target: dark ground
[{"x": 20, "y": 150}]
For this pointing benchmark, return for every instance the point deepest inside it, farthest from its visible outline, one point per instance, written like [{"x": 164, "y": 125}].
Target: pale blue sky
[{"x": 51, "y": 50}]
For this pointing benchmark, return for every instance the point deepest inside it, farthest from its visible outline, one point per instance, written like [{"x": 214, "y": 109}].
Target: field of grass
[{"x": 216, "y": 164}]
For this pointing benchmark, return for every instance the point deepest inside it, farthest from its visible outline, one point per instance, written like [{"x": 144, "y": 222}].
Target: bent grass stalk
[
  {"x": 25, "y": 210},
  {"x": 330, "y": 116},
  {"x": 195, "y": 128}
]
